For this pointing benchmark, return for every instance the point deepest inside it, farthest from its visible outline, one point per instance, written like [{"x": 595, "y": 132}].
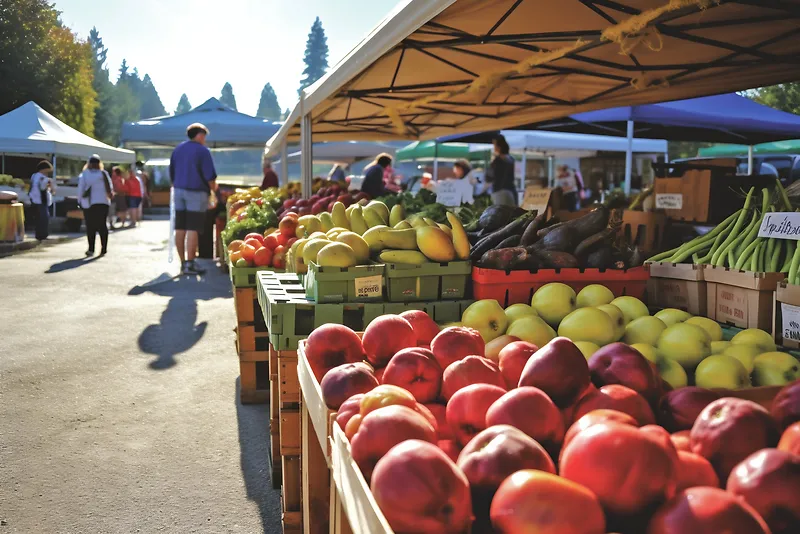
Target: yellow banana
[
  {"x": 430, "y": 222},
  {"x": 413, "y": 257},
  {"x": 435, "y": 244},
  {"x": 373, "y": 238},
  {"x": 381, "y": 209},
  {"x": 326, "y": 221},
  {"x": 357, "y": 223},
  {"x": 416, "y": 221},
  {"x": 311, "y": 222},
  {"x": 397, "y": 215},
  {"x": 381, "y": 237},
  {"x": 402, "y": 225},
  {"x": 460, "y": 239},
  {"x": 372, "y": 218},
  {"x": 339, "y": 216}
]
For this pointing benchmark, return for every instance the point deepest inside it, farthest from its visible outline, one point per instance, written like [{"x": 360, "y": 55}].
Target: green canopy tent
[
  {"x": 778, "y": 147},
  {"x": 433, "y": 150}
]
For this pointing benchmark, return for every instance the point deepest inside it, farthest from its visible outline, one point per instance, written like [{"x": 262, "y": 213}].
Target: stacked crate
[{"x": 252, "y": 338}]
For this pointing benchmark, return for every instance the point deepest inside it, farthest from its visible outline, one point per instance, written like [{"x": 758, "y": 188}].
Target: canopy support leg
[
  {"x": 54, "y": 181},
  {"x": 551, "y": 171},
  {"x": 284, "y": 163},
  {"x": 306, "y": 156},
  {"x": 750, "y": 160},
  {"x": 521, "y": 189},
  {"x": 435, "y": 161},
  {"x": 629, "y": 159}
]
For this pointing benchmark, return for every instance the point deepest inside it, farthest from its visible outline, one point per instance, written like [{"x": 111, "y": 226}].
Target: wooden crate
[
  {"x": 339, "y": 523},
  {"x": 275, "y": 470},
  {"x": 253, "y": 382},
  {"x": 291, "y": 500},
  {"x": 320, "y": 417},
  {"x": 245, "y": 302},
  {"x": 644, "y": 229},
  {"x": 290, "y": 431},
  {"x": 316, "y": 479},
  {"x": 250, "y": 340},
  {"x": 287, "y": 377}
]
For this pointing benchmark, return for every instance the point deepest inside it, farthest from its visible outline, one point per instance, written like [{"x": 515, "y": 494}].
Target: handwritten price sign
[
  {"x": 790, "y": 317},
  {"x": 369, "y": 287},
  {"x": 780, "y": 226},
  {"x": 669, "y": 201}
]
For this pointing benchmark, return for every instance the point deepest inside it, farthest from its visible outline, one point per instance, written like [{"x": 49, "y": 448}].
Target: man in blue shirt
[{"x": 193, "y": 177}]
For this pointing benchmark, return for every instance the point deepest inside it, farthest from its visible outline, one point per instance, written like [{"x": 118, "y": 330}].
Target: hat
[{"x": 94, "y": 157}]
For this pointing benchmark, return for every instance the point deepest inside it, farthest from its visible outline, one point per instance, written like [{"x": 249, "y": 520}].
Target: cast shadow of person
[
  {"x": 176, "y": 331},
  {"x": 66, "y": 265}
]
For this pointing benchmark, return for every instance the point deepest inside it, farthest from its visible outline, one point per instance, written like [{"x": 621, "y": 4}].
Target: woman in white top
[
  {"x": 95, "y": 192},
  {"x": 41, "y": 195}
]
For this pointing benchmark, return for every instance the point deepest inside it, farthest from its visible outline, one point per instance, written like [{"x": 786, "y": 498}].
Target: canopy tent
[
  {"x": 227, "y": 128},
  {"x": 347, "y": 152},
  {"x": 547, "y": 142},
  {"x": 30, "y": 130},
  {"x": 432, "y": 150},
  {"x": 778, "y": 147}
]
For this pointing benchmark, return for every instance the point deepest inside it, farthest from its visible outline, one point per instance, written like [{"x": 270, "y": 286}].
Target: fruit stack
[{"x": 533, "y": 438}]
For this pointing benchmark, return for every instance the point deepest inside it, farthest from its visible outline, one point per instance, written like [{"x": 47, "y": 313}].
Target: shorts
[
  {"x": 134, "y": 202},
  {"x": 121, "y": 202},
  {"x": 190, "y": 209}
]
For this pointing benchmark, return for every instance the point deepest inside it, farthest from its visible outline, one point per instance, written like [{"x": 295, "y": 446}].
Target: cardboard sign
[
  {"x": 453, "y": 193},
  {"x": 790, "y": 318},
  {"x": 536, "y": 198},
  {"x": 669, "y": 201},
  {"x": 780, "y": 226},
  {"x": 369, "y": 286}
]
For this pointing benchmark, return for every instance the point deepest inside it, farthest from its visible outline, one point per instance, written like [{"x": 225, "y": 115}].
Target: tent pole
[
  {"x": 524, "y": 166},
  {"x": 306, "y": 158},
  {"x": 3, "y": 171},
  {"x": 435, "y": 161},
  {"x": 750, "y": 160},
  {"x": 629, "y": 159},
  {"x": 551, "y": 171},
  {"x": 284, "y": 163},
  {"x": 54, "y": 181}
]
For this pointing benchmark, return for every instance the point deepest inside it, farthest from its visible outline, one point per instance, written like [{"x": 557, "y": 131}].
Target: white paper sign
[
  {"x": 790, "y": 317},
  {"x": 536, "y": 198},
  {"x": 453, "y": 193},
  {"x": 369, "y": 286},
  {"x": 669, "y": 201},
  {"x": 780, "y": 226}
]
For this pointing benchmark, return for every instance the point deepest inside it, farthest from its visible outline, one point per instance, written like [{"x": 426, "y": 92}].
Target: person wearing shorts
[
  {"x": 120, "y": 195},
  {"x": 193, "y": 176},
  {"x": 133, "y": 188}
]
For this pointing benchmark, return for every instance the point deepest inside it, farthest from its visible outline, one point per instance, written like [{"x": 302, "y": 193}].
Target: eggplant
[
  {"x": 529, "y": 236},
  {"x": 495, "y": 217},
  {"x": 508, "y": 242},
  {"x": 588, "y": 245},
  {"x": 563, "y": 238},
  {"x": 489, "y": 242},
  {"x": 503, "y": 258},
  {"x": 554, "y": 259}
]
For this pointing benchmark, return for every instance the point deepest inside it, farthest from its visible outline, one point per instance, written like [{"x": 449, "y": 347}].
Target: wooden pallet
[
  {"x": 253, "y": 382},
  {"x": 290, "y": 431},
  {"x": 275, "y": 464},
  {"x": 292, "y": 516}
]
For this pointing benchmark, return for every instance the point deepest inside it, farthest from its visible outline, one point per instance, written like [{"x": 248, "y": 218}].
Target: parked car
[{"x": 784, "y": 166}]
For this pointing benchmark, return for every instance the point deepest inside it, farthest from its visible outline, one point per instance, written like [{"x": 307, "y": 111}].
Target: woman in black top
[{"x": 501, "y": 174}]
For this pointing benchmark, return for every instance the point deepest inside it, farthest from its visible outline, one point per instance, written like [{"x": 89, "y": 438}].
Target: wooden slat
[{"x": 316, "y": 480}]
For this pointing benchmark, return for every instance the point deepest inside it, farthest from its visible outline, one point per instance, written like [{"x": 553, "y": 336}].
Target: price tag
[
  {"x": 780, "y": 226},
  {"x": 669, "y": 201},
  {"x": 369, "y": 287},
  {"x": 536, "y": 198},
  {"x": 453, "y": 193},
  {"x": 790, "y": 316}
]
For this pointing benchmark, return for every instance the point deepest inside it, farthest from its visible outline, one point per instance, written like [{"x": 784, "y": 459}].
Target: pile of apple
[
  {"x": 321, "y": 201},
  {"x": 538, "y": 440},
  {"x": 683, "y": 348},
  {"x": 268, "y": 250}
]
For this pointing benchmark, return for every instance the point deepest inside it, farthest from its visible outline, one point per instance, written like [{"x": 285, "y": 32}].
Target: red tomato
[
  {"x": 255, "y": 243},
  {"x": 282, "y": 239},
  {"x": 263, "y": 257},
  {"x": 271, "y": 241},
  {"x": 248, "y": 252},
  {"x": 256, "y": 236}
]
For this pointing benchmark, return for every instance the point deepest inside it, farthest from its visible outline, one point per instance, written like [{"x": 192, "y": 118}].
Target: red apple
[
  {"x": 331, "y": 345},
  {"x": 384, "y": 428},
  {"x": 559, "y": 369},
  {"x": 450, "y": 448},
  {"x": 729, "y": 430},
  {"x": 493, "y": 348},
  {"x": 620, "y": 398},
  {"x": 403, "y": 489},
  {"x": 532, "y": 501},
  {"x": 470, "y": 370},
  {"x": 456, "y": 342},
  {"x": 694, "y": 470},
  {"x": 424, "y": 327},
  {"x": 678, "y": 409},
  {"x": 786, "y": 405},
  {"x": 348, "y": 409},
  {"x": 682, "y": 440},
  {"x": 382, "y": 396},
  {"x": 629, "y": 470},
  {"x": 439, "y": 411},
  {"x": 705, "y": 510},
  {"x": 495, "y": 454},
  {"x": 531, "y": 411},
  {"x": 790, "y": 440},
  {"x": 385, "y": 336},
  {"x": 769, "y": 480},
  {"x": 619, "y": 363},
  {"x": 379, "y": 374},
  {"x": 596, "y": 417},
  {"x": 416, "y": 370},
  {"x": 512, "y": 360},
  {"x": 466, "y": 411},
  {"x": 346, "y": 380}
]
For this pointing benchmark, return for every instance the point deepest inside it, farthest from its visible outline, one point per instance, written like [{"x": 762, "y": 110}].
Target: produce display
[
  {"x": 573, "y": 414},
  {"x": 257, "y": 250},
  {"x": 252, "y": 211}
]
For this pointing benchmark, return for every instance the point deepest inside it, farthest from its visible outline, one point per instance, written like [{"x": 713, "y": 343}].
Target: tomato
[
  {"x": 263, "y": 257},
  {"x": 271, "y": 241},
  {"x": 248, "y": 252},
  {"x": 254, "y": 235}
]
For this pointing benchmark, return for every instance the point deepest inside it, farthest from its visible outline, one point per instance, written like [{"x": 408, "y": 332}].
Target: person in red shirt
[
  {"x": 133, "y": 189},
  {"x": 270, "y": 178}
]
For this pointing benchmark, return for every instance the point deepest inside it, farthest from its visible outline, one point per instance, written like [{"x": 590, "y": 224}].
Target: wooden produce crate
[
  {"x": 291, "y": 497},
  {"x": 427, "y": 282},
  {"x": 252, "y": 339},
  {"x": 680, "y": 286},
  {"x": 362, "y": 283},
  {"x": 274, "y": 433},
  {"x": 288, "y": 401},
  {"x": 253, "y": 382},
  {"x": 741, "y": 298},
  {"x": 320, "y": 417},
  {"x": 786, "y": 318},
  {"x": 644, "y": 229},
  {"x": 248, "y": 311}
]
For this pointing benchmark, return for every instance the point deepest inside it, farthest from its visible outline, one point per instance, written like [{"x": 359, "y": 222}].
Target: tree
[
  {"x": 103, "y": 127},
  {"x": 785, "y": 96},
  {"x": 268, "y": 107},
  {"x": 183, "y": 105},
  {"x": 286, "y": 113},
  {"x": 316, "y": 56},
  {"x": 227, "y": 97},
  {"x": 151, "y": 105},
  {"x": 123, "y": 70}
]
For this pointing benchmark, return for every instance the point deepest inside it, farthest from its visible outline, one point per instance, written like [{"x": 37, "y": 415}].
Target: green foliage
[
  {"x": 316, "y": 55},
  {"x": 785, "y": 96},
  {"x": 227, "y": 97},
  {"x": 268, "y": 106},
  {"x": 183, "y": 105},
  {"x": 257, "y": 219}
]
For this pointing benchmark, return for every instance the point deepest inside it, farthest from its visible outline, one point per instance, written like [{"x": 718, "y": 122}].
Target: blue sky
[{"x": 195, "y": 46}]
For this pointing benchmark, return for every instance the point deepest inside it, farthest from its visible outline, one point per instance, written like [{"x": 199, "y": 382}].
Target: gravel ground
[{"x": 119, "y": 403}]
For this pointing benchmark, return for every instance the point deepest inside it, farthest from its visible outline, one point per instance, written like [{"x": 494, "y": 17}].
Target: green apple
[
  {"x": 672, "y": 373},
  {"x": 617, "y": 317},
  {"x": 532, "y": 329},
  {"x": 487, "y": 317},
  {"x": 775, "y": 369},
  {"x": 687, "y": 344},
  {"x": 587, "y": 348},
  {"x": 744, "y": 353},
  {"x": 594, "y": 295},
  {"x": 672, "y": 316},
  {"x": 648, "y": 351},
  {"x": 718, "y": 347},
  {"x": 632, "y": 308},
  {"x": 644, "y": 330},
  {"x": 721, "y": 371},
  {"x": 553, "y": 302},
  {"x": 712, "y": 327},
  {"x": 515, "y": 311},
  {"x": 754, "y": 336},
  {"x": 588, "y": 324}
]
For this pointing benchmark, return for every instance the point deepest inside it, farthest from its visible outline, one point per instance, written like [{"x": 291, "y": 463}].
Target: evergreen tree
[
  {"x": 103, "y": 129},
  {"x": 286, "y": 114},
  {"x": 268, "y": 106},
  {"x": 123, "y": 70},
  {"x": 151, "y": 105},
  {"x": 316, "y": 56},
  {"x": 183, "y": 105},
  {"x": 227, "y": 97}
]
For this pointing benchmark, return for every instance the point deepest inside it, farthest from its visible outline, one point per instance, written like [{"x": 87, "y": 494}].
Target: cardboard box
[
  {"x": 741, "y": 298},
  {"x": 786, "y": 322},
  {"x": 680, "y": 286}
]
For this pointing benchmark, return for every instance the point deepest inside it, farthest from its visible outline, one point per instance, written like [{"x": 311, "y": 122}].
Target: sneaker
[
  {"x": 89, "y": 253},
  {"x": 193, "y": 268}
]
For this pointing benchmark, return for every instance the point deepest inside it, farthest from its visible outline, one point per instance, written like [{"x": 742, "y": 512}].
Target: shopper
[
  {"x": 270, "y": 178},
  {"x": 373, "y": 176},
  {"x": 41, "y": 195},
  {"x": 571, "y": 186},
  {"x": 144, "y": 178},
  {"x": 500, "y": 175},
  {"x": 95, "y": 193},
  {"x": 193, "y": 177},
  {"x": 120, "y": 195},
  {"x": 135, "y": 190},
  {"x": 337, "y": 174}
]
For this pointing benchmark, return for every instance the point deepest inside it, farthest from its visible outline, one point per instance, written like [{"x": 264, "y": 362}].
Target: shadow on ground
[
  {"x": 254, "y": 444},
  {"x": 176, "y": 331},
  {"x": 66, "y": 265}
]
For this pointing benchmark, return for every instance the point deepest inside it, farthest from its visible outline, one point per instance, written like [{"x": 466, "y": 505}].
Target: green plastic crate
[
  {"x": 339, "y": 284},
  {"x": 246, "y": 276},
  {"x": 429, "y": 281}
]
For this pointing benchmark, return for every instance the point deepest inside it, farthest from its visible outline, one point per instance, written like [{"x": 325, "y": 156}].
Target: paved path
[{"x": 118, "y": 397}]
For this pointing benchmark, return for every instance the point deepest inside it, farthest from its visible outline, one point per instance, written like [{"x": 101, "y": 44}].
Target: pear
[
  {"x": 594, "y": 295},
  {"x": 775, "y": 369},
  {"x": 754, "y": 336},
  {"x": 721, "y": 371},
  {"x": 553, "y": 302}
]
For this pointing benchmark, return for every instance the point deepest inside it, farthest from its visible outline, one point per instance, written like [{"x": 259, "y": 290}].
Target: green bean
[
  {"x": 770, "y": 248},
  {"x": 784, "y": 197},
  {"x": 736, "y": 227},
  {"x": 754, "y": 258},
  {"x": 794, "y": 265},
  {"x": 787, "y": 261},
  {"x": 754, "y": 221},
  {"x": 723, "y": 226},
  {"x": 664, "y": 255},
  {"x": 743, "y": 262},
  {"x": 776, "y": 256},
  {"x": 762, "y": 258}
]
